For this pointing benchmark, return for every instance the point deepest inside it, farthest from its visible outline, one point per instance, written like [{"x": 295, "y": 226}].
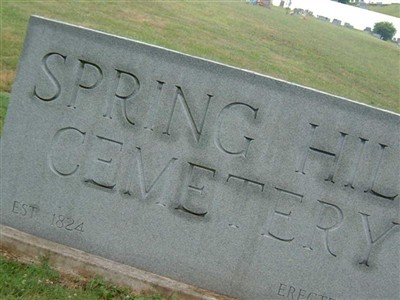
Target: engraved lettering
[
  {"x": 280, "y": 289},
  {"x": 300, "y": 294},
  {"x": 357, "y": 164},
  {"x": 24, "y": 212},
  {"x": 154, "y": 108},
  {"x": 67, "y": 223},
  {"x": 375, "y": 176},
  {"x": 282, "y": 214},
  {"x": 51, "y": 77},
  {"x": 72, "y": 136},
  {"x": 126, "y": 87},
  {"x": 297, "y": 294},
  {"x": 339, "y": 213},
  {"x": 15, "y": 205},
  {"x": 33, "y": 208},
  {"x": 368, "y": 235},
  {"x": 311, "y": 294},
  {"x": 246, "y": 181},
  {"x": 291, "y": 292},
  {"x": 145, "y": 191},
  {"x": 84, "y": 79},
  {"x": 106, "y": 162},
  {"x": 303, "y": 161},
  {"x": 336, "y": 157},
  {"x": 189, "y": 206},
  {"x": 181, "y": 97},
  {"x": 218, "y": 142},
  {"x": 24, "y": 209}
]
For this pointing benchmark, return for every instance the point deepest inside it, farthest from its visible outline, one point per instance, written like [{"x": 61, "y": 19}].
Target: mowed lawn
[
  {"x": 391, "y": 10},
  {"x": 21, "y": 281},
  {"x": 310, "y": 52}
]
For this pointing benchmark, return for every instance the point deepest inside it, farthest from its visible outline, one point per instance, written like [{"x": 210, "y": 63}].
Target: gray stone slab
[{"x": 218, "y": 177}]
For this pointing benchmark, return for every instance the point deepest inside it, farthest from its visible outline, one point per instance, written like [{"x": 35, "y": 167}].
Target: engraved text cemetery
[{"x": 120, "y": 162}]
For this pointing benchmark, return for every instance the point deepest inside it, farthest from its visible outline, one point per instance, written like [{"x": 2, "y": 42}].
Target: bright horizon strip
[{"x": 359, "y": 18}]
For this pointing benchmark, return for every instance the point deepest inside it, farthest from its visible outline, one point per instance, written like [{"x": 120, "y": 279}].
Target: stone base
[{"x": 75, "y": 262}]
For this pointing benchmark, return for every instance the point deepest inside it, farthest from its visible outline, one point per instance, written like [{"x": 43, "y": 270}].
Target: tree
[
  {"x": 385, "y": 29},
  {"x": 344, "y": 1}
]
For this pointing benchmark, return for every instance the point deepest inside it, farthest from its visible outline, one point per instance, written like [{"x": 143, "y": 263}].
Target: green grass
[
  {"x": 313, "y": 53},
  {"x": 4, "y": 98},
  {"x": 40, "y": 282},
  {"x": 391, "y": 10}
]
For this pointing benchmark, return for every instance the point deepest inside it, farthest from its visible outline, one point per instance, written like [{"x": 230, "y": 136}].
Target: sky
[{"x": 359, "y": 18}]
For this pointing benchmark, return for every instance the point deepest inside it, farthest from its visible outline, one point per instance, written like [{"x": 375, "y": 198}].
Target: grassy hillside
[
  {"x": 310, "y": 52},
  {"x": 4, "y": 97},
  {"x": 19, "y": 281},
  {"x": 391, "y": 10}
]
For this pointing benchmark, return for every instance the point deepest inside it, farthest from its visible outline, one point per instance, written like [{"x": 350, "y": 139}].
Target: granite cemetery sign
[{"x": 218, "y": 177}]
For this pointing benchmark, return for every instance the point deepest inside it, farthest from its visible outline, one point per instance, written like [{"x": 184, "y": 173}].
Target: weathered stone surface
[{"x": 207, "y": 174}]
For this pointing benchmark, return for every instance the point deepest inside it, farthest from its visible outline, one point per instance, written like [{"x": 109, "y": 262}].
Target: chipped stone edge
[{"x": 72, "y": 261}]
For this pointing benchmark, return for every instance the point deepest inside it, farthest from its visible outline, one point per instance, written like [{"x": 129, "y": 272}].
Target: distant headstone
[
  {"x": 377, "y": 35},
  {"x": 299, "y": 11},
  {"x": 218, "y": 177},
  {"x": 363, "y": 5},
  {"x": 348, "y": 25},
  {"x": 309, "y": 13},
  {"x": 337, "y": 22},
  {"x": 322, "y": 18},
  {"x": 265, "y": 3}
]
